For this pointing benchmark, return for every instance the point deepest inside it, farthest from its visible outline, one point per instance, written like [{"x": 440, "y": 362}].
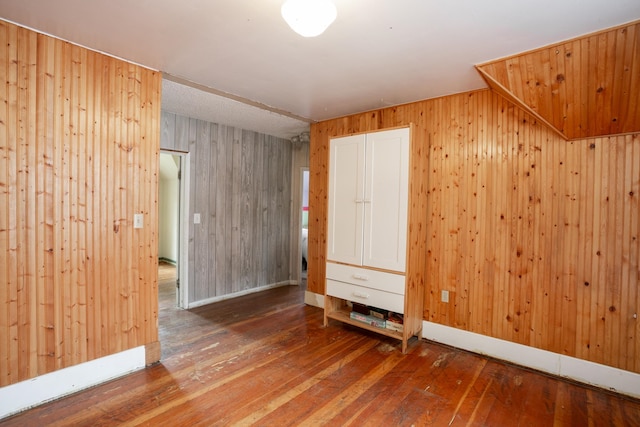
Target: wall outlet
[
  {"x": 196, "y": 218},
  {"x": 138, "y": 220},
  {"x": 444, "y": 296}
]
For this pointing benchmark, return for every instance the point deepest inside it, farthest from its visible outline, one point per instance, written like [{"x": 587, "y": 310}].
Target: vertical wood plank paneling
[
  {"x": 134, "y": 147},
  {"x": 85, "y": 184},
  {"x": 466, "y": 207},
  {"x": 184, "y": 133},
  {"x": 554, "y": 258},
  {"x": 265, "y": 203},
  {"x": 136, "y": 109},
  {"x": 259, "y": 266},
  {"x": 107, "y": 225},
  {"x": 25, "y": 220},
  {"x": 183, "y": 140},
  {"x": 604, "y": 337},
  {"x": 71, "y": 159},
  {"x": 15, "y": 210},
  {"x": 633, "y": 70},
  {"x": 118, "y": 153},
  {"x": 221, "y": 218},
  {"x": 596, "y": 313},
  {"x": 46, "y": 97},
  {"x": 27, "y": 149},
  {"x": 246, "y": 196},
  {"x": 75, "y": 301},
  {"x": 5, "y": 253},
  {"x": 632, "y": 325},
  {"x": 216, "y": 142},
  {"x": 614, "y": 252},
  {"x": 582, "y": 87},
  {"x": 318, "y": 173},
  {"x": 131, "y": 147},
  {"x": 241, "y": 186},
  {"x": 269, "y": 233},
  {"x": 59, "y": 192},
  {"x": 625, "y": 250},
  {"x": 284, "y": 207},
  {"x": 152, "y": 108},
  {"x": 571, "y": 240},
  {"x": 227, "y": 248},
  {"x": 168, "y": 131},
  {"x": 236, "y": 208},
  {"x": 272, "y": 232},
  {"x": 148, "y": 166},
  {"x": 202, "y": 170}
]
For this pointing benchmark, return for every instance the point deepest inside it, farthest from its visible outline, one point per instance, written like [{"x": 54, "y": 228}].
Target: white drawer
[
  {"x": 364, "y": 295},
  {"x": 374, "y": 279}
]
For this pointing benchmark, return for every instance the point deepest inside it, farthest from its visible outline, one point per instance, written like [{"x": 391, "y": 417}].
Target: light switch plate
[
  {"x": 138, "y": 220},
  {"x": 196, "y": 218},
  {"x": 444, "y": 296}
]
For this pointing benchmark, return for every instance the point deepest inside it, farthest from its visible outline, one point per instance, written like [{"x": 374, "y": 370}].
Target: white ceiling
[{"x": 246, "y": 68}]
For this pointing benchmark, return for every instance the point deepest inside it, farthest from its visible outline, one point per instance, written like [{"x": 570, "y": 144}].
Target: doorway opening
[
  {"x": 304, "y": 225},
  {"x": 172, "y": 229}
]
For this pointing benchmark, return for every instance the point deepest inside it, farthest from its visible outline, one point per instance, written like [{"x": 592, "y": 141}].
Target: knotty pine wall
[
  {"x": 535, "y": 237},
  {"x": 241, "y": 187},
  {"x": 79, "y": 139},
  {"x": 582, "y": 87}
]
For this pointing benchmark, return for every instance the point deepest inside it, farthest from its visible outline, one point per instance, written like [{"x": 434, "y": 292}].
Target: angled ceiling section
[{"x": 585, "y": 87}]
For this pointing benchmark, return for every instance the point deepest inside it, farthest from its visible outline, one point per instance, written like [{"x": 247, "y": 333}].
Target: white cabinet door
[
  {"x": 346, "y": 192},
  {"x": 368, "y": 194},
  {"x": 386, "y": 199}
]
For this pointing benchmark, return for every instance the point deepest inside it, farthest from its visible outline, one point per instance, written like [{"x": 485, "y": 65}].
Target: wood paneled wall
[
  {"x": 583, "y": 88},
  {"x": 536, "y": 238},
  {"x": 241, "y": 187},
  {"x": 79, "y": 138}
]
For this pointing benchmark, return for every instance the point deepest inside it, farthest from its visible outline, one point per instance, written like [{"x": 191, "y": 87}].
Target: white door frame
[
  {"x": 182, "y": 294},
  {"x": 183, "y": 250}
]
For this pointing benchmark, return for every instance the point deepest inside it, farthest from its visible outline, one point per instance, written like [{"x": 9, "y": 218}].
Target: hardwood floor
[{"x": 265, "y": 359}]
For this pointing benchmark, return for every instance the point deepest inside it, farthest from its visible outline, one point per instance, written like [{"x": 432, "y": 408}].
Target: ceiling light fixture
[{"x": 309, "y": 18}]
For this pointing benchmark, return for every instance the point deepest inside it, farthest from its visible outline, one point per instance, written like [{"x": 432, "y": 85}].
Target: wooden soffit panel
[{"x": 585, "y": 87}]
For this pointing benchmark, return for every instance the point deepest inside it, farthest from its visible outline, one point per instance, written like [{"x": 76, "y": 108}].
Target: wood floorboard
[{"x": 265, "y": 359}]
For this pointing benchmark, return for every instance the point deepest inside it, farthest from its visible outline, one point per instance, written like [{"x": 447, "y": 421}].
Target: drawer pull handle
[
  {"x": 360, "y": 295},
  {"x": 360, "y": 277}
]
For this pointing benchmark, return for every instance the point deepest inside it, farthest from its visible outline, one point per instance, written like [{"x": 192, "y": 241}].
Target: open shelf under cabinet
[{"x": 337, "y": 309}]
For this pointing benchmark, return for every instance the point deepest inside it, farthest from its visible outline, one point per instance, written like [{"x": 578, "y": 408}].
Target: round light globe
[{"x": 309, "y": 18}]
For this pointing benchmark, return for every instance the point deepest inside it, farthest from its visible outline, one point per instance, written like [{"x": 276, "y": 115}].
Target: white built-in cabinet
[
  {"x": 368, "y": 202},
  {"x": 368, "y": 178}
]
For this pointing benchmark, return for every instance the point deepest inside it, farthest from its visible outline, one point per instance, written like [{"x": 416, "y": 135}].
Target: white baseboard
[
  {"x": 314, "y": 299},
  {"x": 583, "y": 371},
  {"x": 18, "y": 397},
  {"x": 211, "y": 300}
]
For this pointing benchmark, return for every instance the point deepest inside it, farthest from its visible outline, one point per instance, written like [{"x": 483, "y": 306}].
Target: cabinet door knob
[
  {"x": 360, "y": 295},
  {"x": 360, "y": 277}
]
